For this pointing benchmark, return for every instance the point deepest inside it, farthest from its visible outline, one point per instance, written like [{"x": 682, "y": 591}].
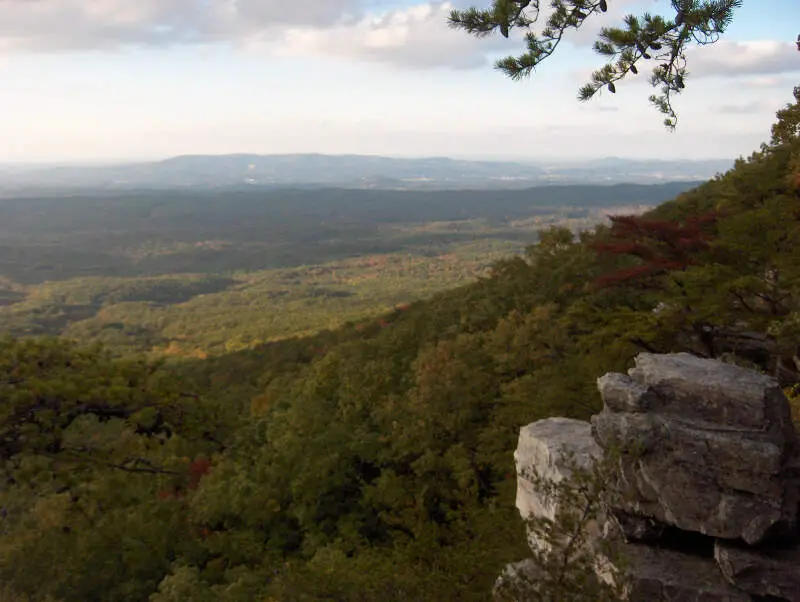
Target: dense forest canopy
[
  {"x": 150, "y": 233},
  {"x": 374, "y": 462},
  {"x": 198, "y": 273}
]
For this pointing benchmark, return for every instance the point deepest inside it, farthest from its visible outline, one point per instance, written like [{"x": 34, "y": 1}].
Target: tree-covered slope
[{"x": 375, "y": 461}]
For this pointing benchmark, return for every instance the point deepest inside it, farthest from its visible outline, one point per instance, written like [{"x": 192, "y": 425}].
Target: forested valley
[
  {"x": 372, "y": 460},
  {"x": 182, "y": 274}
]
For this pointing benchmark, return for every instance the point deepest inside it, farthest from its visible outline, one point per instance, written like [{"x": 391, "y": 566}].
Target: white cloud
[
  {"x": 419, "y": 36},
  {"x": 412, "y": 36},
  {"x": 416, "y": 36},
  {"x": 53, "y": 25},
  {"x": 761, "y": 58},
  {"x": 752, "y": 65}
]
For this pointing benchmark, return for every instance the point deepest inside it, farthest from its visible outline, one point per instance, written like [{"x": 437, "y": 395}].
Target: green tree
[
  {"x": 644, "y": 39},
  {"x": 94, "y": 464}
]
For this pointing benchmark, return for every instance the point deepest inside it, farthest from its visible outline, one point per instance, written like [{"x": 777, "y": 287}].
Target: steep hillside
[{"x": 374, "y": 461}]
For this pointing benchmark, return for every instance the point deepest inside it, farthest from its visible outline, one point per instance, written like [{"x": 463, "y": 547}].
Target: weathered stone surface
[
  {"x": 542, "y": 449},
  {"x": 773, "y": 573},
  {"x": 622, "y": 394},
  {"x": 660, "y": 575},
  {"x": 708, "y": 447},
  {"x": 711, "y": 391},
  {"x": 546, "y": 448},
  {"x": 513, "y": 581}
]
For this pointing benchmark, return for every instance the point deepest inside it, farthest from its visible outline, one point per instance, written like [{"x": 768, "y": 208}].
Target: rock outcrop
[
  {"x": 711, "y": 446},
  {"x": 706, "y": 495},
  {"x": 542, "y": 445}
]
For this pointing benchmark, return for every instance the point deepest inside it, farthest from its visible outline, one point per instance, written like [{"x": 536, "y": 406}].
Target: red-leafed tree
[
  {"x": 197, "y": 470},
  {"x": 655, "y": 247}
]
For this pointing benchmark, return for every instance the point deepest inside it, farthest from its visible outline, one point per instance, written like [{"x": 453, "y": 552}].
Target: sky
[{"x": 112, "y": 80}]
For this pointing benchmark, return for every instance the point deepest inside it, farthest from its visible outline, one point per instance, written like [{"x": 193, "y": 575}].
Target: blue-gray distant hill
[{"x": 348, "y": 171}]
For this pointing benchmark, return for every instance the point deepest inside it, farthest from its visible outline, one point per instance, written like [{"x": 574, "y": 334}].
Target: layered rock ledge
[
  {"x": 711, "y": 446},
  {"x": 705, "y": 497}
]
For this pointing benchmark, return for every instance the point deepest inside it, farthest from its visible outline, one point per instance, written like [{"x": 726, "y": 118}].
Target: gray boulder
[
  {"x": 706, "y": 447},
  {"x": 774, "y": 573},
  {"x": 548, "y": 449},
  {"x": 661, "y": 575}
]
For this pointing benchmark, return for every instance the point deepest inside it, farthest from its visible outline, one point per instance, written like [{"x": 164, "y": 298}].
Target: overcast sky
[{"x": 140, "y": 79}]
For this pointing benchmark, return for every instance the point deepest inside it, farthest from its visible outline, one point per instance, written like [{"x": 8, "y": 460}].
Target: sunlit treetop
[{"x": 646, "y": 40}]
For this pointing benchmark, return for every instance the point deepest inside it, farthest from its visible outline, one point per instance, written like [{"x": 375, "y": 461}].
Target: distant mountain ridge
[{"x": 352, "y": 171}]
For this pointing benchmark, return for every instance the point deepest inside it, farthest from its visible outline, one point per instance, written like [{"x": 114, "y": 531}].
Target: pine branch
[{"x": 646, "y": 38}]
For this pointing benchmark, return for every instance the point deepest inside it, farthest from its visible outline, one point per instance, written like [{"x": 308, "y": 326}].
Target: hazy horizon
[{"x": 554, "y": 160}]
